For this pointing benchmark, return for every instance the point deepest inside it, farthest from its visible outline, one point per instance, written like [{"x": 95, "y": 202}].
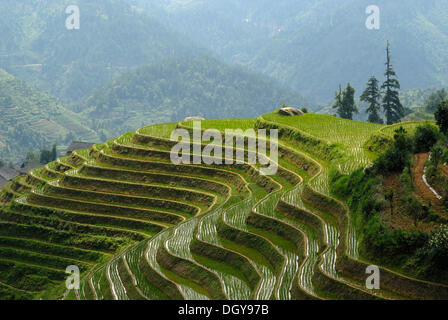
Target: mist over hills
[
  {"x": 177, "y": 88},
  {"x": 31, "y": 119},
  {"x": 112, "y": 38},
  {"x": 121, "y": 70},
  {"x": 135, "y": 62},
  {"x": 312, "y": 46}
]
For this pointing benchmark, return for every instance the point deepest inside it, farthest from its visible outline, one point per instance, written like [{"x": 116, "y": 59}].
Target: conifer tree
[
  {"x": 54, "y": 154},
  {"x": 338, "y": 101},
  {"x": 372, "y": 95},
  {"x": 392, "y": 107},
  {"x": 345, "y": 102}
]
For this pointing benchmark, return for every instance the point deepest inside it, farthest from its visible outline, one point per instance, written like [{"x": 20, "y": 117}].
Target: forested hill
[
  {"x": 177, "y": 88},
  {"x": 113, "y": 37},
  {"x": 313, "y": 45},
  {"x": 31, "y": 119}
]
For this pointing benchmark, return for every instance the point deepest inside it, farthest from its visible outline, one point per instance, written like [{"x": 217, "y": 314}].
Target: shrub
[
  {"x": 436, "y": 155},
  {"x": 398, "y": 156},
  {"x": 406, "y": 185},
  {"x": 425, "y": 138},
  {"x": 437, "y": 246},
  {"x": 390, "y": 245},
  {"x": 441, "y": 116}
]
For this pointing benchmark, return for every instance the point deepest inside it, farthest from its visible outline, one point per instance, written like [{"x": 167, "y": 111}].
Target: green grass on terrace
[
  {"x": 329, "y": 128},
  {"x": 350, "y": 135},
  {"x": 410, "y": 127},
  {"x": 159, "y": 130},
  {"x": 222, "y": 124}
]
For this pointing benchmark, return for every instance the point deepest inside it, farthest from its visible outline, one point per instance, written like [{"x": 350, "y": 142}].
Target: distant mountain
[
  {"x": 176, "y": 88},
  {"x": 31, "y": 120},
  {"x": 313, "y": 45},
  {"x": 113, "y": 37}
]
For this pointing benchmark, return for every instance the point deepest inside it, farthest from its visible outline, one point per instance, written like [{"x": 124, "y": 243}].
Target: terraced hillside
[
  {"x": 31, "y": 119},
  {"x": 140, "y": 227}
]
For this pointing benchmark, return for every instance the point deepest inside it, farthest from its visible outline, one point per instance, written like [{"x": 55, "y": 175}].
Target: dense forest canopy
[{"x": 177, "y": 88}]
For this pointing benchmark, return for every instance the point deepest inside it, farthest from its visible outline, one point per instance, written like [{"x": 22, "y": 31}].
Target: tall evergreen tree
[
  {"x": 372, "y": 95},
  {"x": 393, "y": 109},
  {"x": 338, "y": 101},
  {"x": 54, "y": 154},
  {"x": 345, "y": 102}
]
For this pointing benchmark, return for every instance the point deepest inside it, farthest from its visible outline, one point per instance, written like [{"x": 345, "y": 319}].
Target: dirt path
[
  {"x": 422, "y": 191},
  {"x": 444, "y": 169}
]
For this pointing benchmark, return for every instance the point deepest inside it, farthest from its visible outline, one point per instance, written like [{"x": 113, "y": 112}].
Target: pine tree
[
  {"x": 393, "y": 109},
  {"x": 54, "y": 154},
  {"x": 338, "y": 101},
  {"x": 345, "y": 102},
  {"x": 372, "y": 95}
]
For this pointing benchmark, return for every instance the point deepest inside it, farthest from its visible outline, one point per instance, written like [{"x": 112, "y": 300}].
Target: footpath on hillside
[{"x": 422, "y": 191}]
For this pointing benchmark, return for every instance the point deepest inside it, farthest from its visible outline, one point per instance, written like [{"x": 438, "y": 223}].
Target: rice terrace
[
  {"x": 224, "y": 158},
  {"x": 140, "y": 227}
]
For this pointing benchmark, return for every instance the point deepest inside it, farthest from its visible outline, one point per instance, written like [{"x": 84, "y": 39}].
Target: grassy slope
[{"x": 328, "y": 128}]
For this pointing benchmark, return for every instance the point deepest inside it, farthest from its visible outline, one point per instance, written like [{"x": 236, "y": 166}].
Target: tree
[
  {"x": 436, "y": 155},
  {"x": 338, "y": 101},
  {"x": 2, "y": 163},
  {"x": 345, "y": 102},
  {"x": 31, "y": 157},
  {"x": 406, "y": 186},
  {"x": 425, "y": 137},
  {"x": 390, "y": 197},
  {"x": 392, "y": 107},
  {"x": 45, "y": 156},
  {"x": 441, "y": 116},
  {"x": 402, "y": 141},
  {"x": 348, "y": 102},
  {"x": 372, "y": 95},
  {"x": 54, "y": 154},
  {"x": 437, "y": 245},
  {"x": 397, "y": 156},
  {"x": 416, "y": 210},
  {"x": 433, "y": 101}
]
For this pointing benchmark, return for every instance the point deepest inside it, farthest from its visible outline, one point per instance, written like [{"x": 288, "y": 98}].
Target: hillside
[
  {"x": 113, "y": 37},
  {"x": 313, "y": 46},
  {"x": 141, "y": 227},
  {"x": 175, "y": 88},
  {"x": 31, "y": 119}
]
